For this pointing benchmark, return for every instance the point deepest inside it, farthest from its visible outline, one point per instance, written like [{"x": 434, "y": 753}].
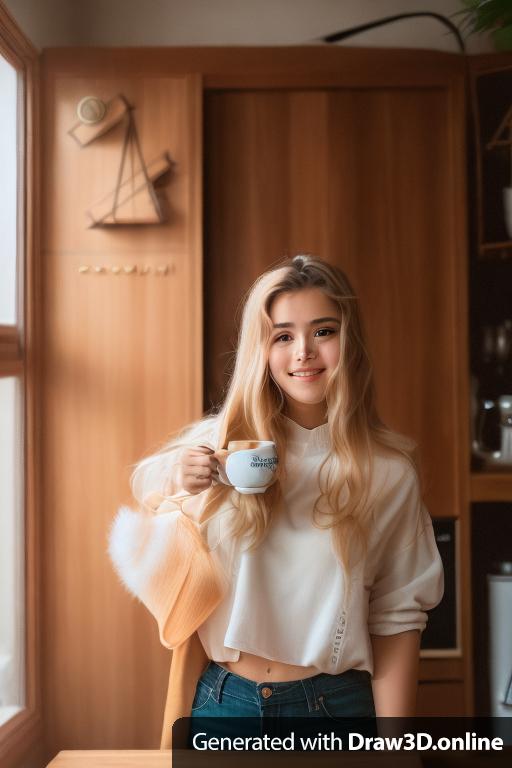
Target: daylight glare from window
[{"x": 8, "y": 192}]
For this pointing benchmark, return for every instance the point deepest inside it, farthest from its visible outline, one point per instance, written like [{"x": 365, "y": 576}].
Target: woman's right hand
[{"x": 199, "y": 468}]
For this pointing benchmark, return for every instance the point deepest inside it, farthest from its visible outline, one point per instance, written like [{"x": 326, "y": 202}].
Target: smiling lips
[{"x": 307, "y": 373}]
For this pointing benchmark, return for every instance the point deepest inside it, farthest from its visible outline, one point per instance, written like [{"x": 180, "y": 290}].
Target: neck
[{"x": 306, "y": 415}]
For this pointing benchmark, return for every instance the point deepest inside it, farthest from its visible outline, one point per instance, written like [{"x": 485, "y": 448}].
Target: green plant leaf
[
  {"x": 485, "y": 15},
  {"x": 502, "y": 38}
]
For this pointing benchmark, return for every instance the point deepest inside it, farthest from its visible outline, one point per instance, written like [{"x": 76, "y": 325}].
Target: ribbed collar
[{"x": 317, "y": 438}]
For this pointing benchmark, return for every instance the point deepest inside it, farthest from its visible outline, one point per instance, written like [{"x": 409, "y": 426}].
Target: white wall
[
  {"x": 231, "y": 22},
  {"x": 45, "y": 22}
]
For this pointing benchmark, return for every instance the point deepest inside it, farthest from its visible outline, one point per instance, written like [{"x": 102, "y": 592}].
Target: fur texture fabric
[{"x": 163, "y": 561}]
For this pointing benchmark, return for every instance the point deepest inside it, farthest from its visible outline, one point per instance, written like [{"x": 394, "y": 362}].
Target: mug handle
[{"x": 221, "y": 455}]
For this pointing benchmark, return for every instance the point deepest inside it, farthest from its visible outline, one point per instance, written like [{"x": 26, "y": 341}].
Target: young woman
[{"x": 307, "y": 600}]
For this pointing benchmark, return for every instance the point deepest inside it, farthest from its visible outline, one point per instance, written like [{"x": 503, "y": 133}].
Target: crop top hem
[{"x": 247, "y": 648}]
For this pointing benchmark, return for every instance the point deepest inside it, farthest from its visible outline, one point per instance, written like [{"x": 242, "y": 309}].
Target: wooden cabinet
[
  {"x": 123, "y": 369},
  {"x": 441, "y": 699},
  {"x": 353, "y": 176},
  {"x": 491, "y": 275},
  {"x": 490, "y": 316}
]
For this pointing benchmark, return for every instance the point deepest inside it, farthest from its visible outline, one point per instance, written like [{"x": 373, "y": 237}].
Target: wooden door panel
[
  {"x": 123, "y": 369},
  {"x": 364, "y": 179},
  {"x": 441, "y": 699}
]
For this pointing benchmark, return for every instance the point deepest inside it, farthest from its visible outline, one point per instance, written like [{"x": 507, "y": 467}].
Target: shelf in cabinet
[
  {"x": 491, "y": 486},
  {"x": 496, "y": 250}
]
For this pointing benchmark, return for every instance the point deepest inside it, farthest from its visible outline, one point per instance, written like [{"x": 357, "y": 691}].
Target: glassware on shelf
[
  {"x": 505, "y": 405},
  {"x": 492, "y": 407}
]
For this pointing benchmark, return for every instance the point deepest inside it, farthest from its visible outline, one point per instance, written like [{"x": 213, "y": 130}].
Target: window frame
[{"x": 19, "y": 345}]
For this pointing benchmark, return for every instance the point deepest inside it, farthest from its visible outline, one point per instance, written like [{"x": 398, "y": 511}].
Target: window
[
  {"x": 12, "y": 593},
  {"x": 20, "y": 697},
  {"x": 8, "y": 191},
  {"x": 12, "y": 545}
]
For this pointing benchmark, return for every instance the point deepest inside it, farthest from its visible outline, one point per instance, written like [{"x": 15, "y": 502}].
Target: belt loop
[
  {"x": 309, "y": 692},
  {"x": 217, "y": 688}
]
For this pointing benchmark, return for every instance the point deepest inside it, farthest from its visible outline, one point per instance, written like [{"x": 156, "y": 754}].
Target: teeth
[{"x": 306, "y": 373}]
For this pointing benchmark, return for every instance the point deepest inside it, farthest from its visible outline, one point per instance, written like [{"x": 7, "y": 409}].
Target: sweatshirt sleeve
[
  {"x": 163, "y": 561},
  {"x": 407, "y": 577},
  {"x": 159, "y": 475}
]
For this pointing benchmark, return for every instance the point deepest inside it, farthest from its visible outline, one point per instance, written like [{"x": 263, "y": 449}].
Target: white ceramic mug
[{"x": 248, "y": 465}]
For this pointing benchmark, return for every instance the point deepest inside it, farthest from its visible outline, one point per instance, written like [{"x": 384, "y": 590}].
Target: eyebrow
[{"x": 312, "y": 322}]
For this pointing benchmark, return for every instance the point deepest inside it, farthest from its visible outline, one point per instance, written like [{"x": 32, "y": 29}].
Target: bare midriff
[{"x": 261, "y": 670}]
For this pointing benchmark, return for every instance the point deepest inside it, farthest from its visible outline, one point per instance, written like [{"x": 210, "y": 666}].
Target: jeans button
[{"x": 266, "y": 692}]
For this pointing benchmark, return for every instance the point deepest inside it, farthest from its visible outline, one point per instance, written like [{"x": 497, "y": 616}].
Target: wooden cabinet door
[
  {"x": 371, "y": 179},
  {"x": 123, "y": 369},
  {"x": 440, "y": 699}
]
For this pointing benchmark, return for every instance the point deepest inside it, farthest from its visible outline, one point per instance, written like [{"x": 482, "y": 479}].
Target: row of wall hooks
[{"x": 131, "y": 269}]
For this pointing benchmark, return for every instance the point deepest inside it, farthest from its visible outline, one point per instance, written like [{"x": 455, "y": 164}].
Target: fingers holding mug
[{"x": 198, "y": 469}]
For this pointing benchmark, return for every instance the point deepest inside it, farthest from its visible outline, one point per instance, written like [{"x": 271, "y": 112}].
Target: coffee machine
[{"x": 491, "y": 399}]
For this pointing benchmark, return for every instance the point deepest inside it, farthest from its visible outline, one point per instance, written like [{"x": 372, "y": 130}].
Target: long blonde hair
[{"x": 254, "y": 406}]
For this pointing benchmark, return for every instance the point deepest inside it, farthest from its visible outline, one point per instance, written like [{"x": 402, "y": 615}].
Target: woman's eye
[{"x": 320, "y": 332}]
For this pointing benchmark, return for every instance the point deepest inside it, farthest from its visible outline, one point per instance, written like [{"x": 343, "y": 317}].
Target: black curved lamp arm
[{"x": 337, "y": 36}]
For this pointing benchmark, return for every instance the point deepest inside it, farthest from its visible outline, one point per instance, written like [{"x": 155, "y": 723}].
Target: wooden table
[
  {"x": 139, "y": 758},
  {"x": 155, "y": 758},
  {"x": 112, "y": 758}
]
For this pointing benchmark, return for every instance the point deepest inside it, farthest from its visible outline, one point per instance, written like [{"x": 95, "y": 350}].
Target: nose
[{"x": 304, "y": 350}]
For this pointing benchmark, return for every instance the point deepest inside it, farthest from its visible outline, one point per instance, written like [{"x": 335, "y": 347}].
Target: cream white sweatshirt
[{"x": 287, "y": 600}]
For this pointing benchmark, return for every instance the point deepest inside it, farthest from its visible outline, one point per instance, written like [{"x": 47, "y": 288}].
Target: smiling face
[{"x": 304, "y": 351}]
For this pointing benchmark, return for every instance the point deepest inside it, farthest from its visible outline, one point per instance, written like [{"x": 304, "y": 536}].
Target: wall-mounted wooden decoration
[
  {"x": 134, "y": 199},
  {"x": 85, "y": 132}
]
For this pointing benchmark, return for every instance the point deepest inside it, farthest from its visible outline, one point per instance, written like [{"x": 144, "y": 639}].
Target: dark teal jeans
[{"x": 222, "y": 694}]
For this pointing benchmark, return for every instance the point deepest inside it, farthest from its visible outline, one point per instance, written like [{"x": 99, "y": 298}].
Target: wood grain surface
[
  {"x": 194, "y": 759},
  {"x": 352, "y": 176},
  {"x": 136, "y": 758},
  {"x": 123, "y": 370}
]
